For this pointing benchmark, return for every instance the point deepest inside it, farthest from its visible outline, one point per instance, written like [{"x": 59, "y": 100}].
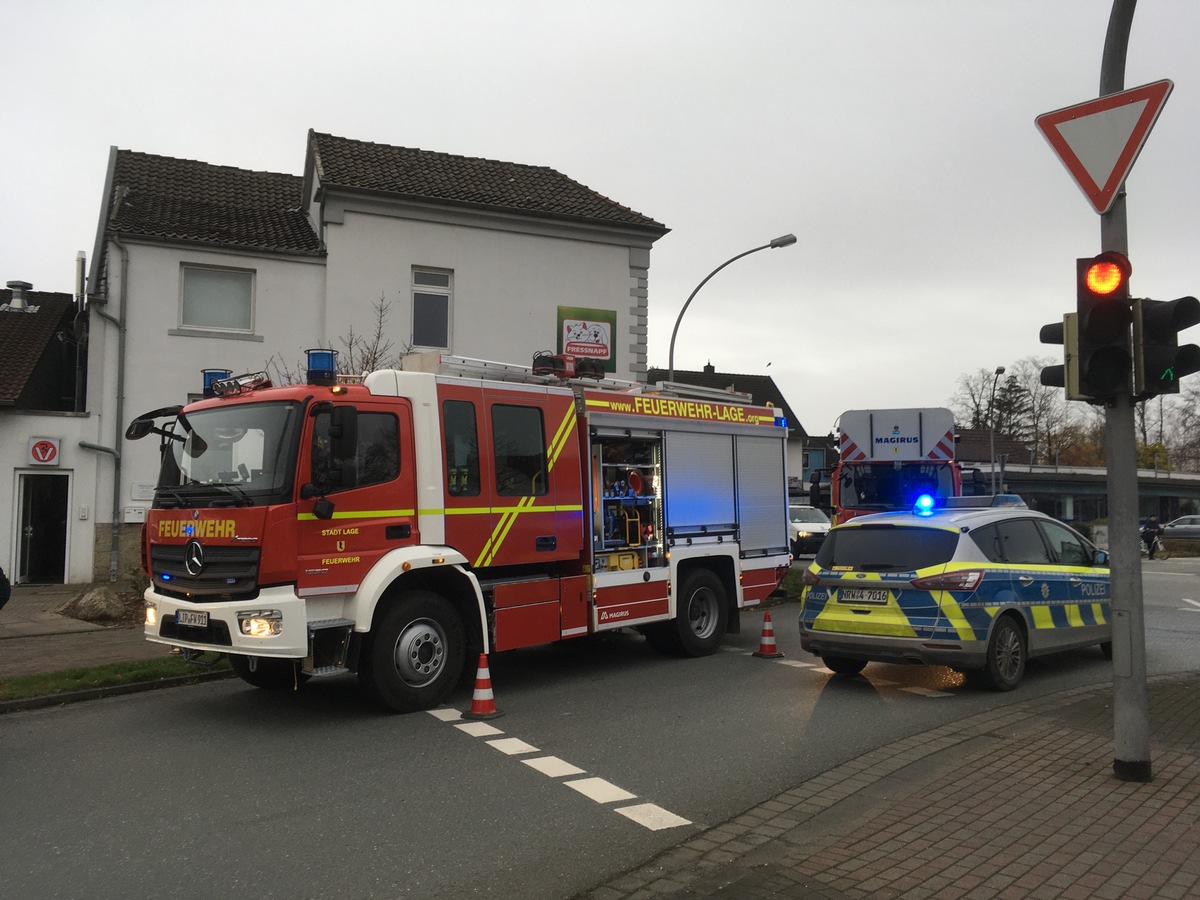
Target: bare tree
[{"x": 362, "y": 354}]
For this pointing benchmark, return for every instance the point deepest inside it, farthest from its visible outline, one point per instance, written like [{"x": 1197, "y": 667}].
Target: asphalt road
[{"x": 606, "y": 754}]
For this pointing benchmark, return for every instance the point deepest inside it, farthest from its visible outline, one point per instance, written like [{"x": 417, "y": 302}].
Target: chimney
[
  {"x": 18, "y": 288},
  {"x": 708, "y": 366}
]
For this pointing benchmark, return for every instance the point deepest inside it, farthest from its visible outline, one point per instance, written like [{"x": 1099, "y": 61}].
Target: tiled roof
[
  {"x": 422, "y": 174},
  {"x": 161, "y": 198},
  {"x": 975, "y": 445},
  {"x": 24, "y": 336},
  {"x": 761, "y": 388}
]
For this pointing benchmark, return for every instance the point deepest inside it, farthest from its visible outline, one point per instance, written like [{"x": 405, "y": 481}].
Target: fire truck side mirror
[{"x": 343, "y": 432}]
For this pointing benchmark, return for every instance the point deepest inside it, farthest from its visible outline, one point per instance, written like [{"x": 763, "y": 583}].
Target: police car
[{"x": 982, "y": 589}]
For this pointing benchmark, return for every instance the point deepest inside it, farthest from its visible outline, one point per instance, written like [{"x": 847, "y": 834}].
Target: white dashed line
[
  {"x": 925, "y": 692},
  {"x": 653, "y": 817},
  {"x": 648, "y": 815},
  {"x": 600, "y": 790},
  {"x": 553, "y": 766},
  {"x": 512, "y": 746}
]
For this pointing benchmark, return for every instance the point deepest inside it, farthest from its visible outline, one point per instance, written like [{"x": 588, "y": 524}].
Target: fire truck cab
[{"x": 398, "y": 524}]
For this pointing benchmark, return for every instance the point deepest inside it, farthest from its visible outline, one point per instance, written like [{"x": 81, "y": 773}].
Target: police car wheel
[
  {"x": 414, "y": 656},
  {"x": 1005, "y": 664},
  {"x": 843, "y": 665}
]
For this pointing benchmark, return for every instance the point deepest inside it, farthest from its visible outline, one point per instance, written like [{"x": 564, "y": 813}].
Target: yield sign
[{"x": 1099, "y": 141}]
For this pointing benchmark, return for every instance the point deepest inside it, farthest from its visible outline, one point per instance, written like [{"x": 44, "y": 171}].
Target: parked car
[
  {"x": 807, "y": 527},
  {"x": 977, "y": 589},
  {"x": 1185, "y": 528}
]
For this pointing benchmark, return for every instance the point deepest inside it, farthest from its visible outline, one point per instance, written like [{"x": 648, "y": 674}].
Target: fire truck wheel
[
  {"x": 702, "y": 615},
  {"x": 415, "y": 655},
  {"x": 263, "y": 672}
]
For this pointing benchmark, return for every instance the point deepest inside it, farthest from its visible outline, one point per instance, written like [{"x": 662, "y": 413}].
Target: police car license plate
[
  {"x": 864, "y": 595},
  {"x": 195, "y": 619}
]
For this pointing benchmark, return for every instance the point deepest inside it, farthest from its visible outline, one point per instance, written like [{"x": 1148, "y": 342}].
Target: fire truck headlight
[
  {"x": 151, "y": 614},
  {"x": 260, "y": 623}
]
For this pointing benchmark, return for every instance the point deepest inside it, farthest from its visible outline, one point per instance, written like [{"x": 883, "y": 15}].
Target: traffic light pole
[{"x": 1131, "y": 719}]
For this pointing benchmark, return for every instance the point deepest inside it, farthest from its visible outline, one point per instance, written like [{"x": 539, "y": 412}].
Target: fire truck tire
[
  {"x": 267, "y": 673},
  {"x": 702, "y": 615},
  {"x": 414, "y": 657}
]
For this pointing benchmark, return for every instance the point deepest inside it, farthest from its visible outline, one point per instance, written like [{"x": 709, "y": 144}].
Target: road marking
[
  {"x": 648, "y": 815},
  {"x": 512, "y": 746},
  {"x": 600, "y": 790},
  {"x": 1195, "y": 607},
  {"x": 553, "y": 766},
  {"x": 926, "y": 692},
  {"x": 653, "y": 817}
]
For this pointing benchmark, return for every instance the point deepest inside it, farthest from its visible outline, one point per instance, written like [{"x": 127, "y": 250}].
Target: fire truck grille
[
  {"x": 216, "y": 633},
  {"x": 228, "y": 573}
]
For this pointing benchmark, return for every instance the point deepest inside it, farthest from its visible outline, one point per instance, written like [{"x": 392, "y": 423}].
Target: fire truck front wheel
[{"x": 414, "y": 656}]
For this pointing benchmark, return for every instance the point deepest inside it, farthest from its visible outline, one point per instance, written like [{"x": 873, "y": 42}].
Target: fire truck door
[{"x": 373, "y": 513}]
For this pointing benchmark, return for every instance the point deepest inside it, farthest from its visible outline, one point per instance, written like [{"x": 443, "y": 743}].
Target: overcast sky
[{"x": 895, "y": 138}]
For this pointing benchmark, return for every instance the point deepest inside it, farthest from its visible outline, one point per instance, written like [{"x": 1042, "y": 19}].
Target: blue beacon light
[{"x": 924, "y": 505}]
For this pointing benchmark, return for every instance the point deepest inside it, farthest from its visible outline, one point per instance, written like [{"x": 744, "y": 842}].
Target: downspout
[{"x": 115, "y": 543}]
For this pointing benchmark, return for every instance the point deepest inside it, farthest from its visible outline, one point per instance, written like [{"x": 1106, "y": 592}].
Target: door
[{"x": 42, "y": 530}]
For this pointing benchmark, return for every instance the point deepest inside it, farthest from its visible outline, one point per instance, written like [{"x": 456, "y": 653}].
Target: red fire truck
[{"x": 398, "y": 524}]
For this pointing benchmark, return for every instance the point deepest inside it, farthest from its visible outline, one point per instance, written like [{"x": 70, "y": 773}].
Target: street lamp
[
  {"x": 785, "y": 241},
  {"x": 992, "y": 426}
]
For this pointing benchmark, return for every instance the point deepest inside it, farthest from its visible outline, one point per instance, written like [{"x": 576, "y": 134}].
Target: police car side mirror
[{"x": 1100, "y": 558}]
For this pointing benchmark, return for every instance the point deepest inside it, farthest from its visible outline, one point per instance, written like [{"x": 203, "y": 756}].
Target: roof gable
[
  {"x": 167, "y": 199},
  {"x": 761, "y": 388},
  {"x": 361, "y": 166},
  {"x": 25, "y": 335}
]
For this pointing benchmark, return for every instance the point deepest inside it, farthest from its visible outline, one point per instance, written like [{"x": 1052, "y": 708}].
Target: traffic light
[
  {"x": 1066, "y": 375},
  {"x": 1159, "y": 361},
  {"x": 1104, "y": 315}
]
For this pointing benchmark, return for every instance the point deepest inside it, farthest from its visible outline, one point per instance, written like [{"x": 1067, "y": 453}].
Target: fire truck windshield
[
  {"x": 886, "y": 486},
  {"x": 231, "y": 455}
]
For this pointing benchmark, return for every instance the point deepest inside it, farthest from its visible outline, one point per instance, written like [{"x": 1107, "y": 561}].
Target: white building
[{"x": 198, "y": 266}]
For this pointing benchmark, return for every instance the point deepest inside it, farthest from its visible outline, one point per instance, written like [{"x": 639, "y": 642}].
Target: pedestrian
[
  {"x": 5, "y": 588},
  {"x": 1150, "y": 534}
]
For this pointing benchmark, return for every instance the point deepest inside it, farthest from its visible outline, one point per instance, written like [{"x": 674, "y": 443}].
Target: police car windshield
[{"x": 886, "y": 548}]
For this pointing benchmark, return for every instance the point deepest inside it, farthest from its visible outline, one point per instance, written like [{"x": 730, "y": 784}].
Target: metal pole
[
  {"x": 1131, "y": 706},
  {"x": 784, "y": 241},
  {"x": 992, "y": 427}
]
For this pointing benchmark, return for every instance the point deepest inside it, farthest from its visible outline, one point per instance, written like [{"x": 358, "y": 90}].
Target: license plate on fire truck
[
  {"x": 864, "y": 595},
  {"x": 194, "y": 619}
]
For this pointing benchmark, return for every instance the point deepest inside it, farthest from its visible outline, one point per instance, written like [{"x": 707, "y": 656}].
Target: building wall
[
  {"x": 74, "y": 463},
  {"x": 509, "y": 278}
]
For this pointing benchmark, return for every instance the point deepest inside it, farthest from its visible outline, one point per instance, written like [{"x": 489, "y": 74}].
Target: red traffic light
[{"x": 1107, "y": 274}]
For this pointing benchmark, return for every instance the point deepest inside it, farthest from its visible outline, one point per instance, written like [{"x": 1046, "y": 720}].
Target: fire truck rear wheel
[
  {"x": 263, "y": 672},
  {"x": 415, "y": 656},
  {"x": 702, "y": 615}
]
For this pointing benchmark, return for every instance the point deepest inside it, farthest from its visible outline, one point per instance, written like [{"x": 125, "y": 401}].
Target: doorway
[{"x": 42, "y": 530}]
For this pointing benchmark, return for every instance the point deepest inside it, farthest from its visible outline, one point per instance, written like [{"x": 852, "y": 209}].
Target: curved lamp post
[
  {"x": 992, "y": 425},
  {"x": 785, "y": 241}
]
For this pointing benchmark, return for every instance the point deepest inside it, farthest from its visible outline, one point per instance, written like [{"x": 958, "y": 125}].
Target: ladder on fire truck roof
[{"x": 447, "y": 364}]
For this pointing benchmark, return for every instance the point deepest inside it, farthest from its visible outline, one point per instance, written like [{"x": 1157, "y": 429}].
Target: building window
[
  {"x": 217, "y": 299},
  {"x": 431, "y": 293}
]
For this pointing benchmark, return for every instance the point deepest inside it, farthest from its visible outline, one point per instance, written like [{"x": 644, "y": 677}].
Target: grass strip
[{"x": 67, "y": 681}]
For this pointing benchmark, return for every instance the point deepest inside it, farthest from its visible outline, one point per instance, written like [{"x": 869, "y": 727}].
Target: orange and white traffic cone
[
  {"x": 766, "y": 644},
  {"x": 483, "y": 704}
]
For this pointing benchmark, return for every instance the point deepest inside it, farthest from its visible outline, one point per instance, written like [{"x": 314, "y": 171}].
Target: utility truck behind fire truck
[
  {"x": 887, "y": 458},
  {"x": 399, "y": 526}
]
